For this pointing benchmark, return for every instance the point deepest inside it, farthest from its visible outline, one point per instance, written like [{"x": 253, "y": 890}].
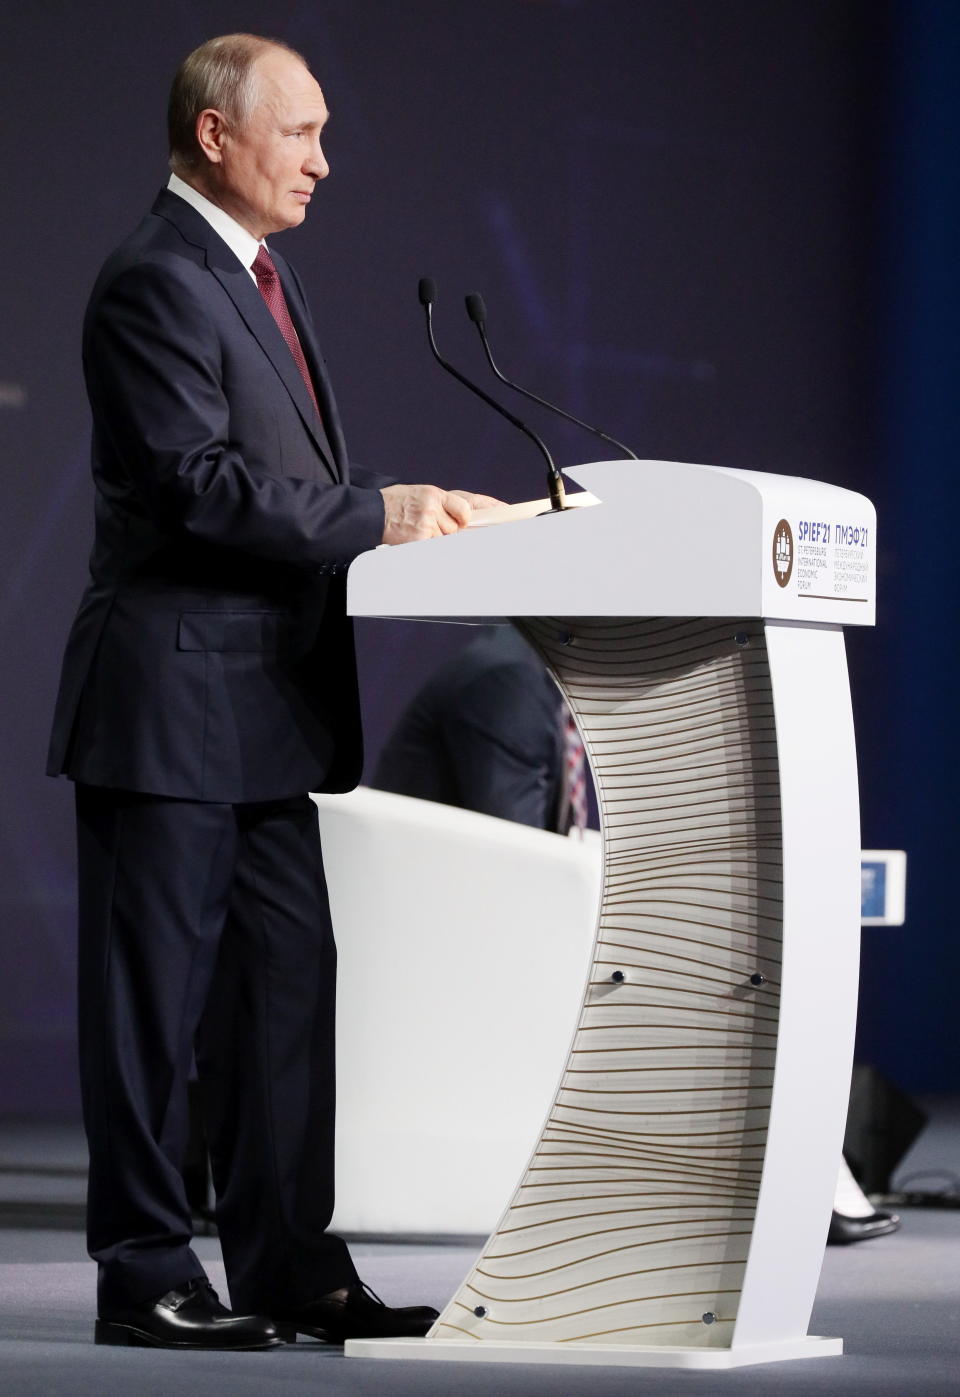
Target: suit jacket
[
  {"x": 211, "y": 657},
  {"x": 484, "y": 733}
]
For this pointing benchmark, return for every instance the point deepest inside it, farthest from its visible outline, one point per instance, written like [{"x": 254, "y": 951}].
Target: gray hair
[{"x": 219, "y": 74}]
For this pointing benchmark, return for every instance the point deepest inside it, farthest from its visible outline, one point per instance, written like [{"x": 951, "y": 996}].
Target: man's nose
[{"x": 316, "y": 162}]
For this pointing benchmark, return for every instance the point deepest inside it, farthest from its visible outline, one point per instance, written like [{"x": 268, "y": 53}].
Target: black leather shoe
[
  {"x": 844, "y": 1229},
  {"x": 354, "y": 1312},
  {"x": 189, "y": 1316}
]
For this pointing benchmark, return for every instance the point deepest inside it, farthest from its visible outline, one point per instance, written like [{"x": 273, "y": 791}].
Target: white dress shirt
[{"x": 242, "y": 244}]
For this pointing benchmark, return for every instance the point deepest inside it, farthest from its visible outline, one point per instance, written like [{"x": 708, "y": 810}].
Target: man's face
[{"x": 268, "y": 171}]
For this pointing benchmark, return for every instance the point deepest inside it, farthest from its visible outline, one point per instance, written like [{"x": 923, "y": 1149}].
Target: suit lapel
[
  {"x": 245, "y": 295},
  {"x": 336, "y": 445},
  {"x": 243, "y": 291}
]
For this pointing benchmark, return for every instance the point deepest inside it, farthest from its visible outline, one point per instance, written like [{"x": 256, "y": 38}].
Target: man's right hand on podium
[{"x": 413, "y": 512}]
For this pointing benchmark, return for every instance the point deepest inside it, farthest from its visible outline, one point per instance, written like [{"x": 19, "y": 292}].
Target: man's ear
[{"x": 211, "y": 129}]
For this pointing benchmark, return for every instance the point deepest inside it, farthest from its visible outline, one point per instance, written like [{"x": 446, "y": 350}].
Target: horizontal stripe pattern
[{"x": 633, "y": 1219}]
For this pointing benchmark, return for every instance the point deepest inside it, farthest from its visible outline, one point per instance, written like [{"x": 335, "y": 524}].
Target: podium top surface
[{"x": 663, "y": 538}]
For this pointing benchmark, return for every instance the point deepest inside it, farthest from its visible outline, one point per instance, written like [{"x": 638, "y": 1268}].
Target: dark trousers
[{"x": 205, "y": 928}]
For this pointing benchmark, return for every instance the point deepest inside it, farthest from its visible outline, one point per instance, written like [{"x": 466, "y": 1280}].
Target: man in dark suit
[{"x": 208, "y": 685}]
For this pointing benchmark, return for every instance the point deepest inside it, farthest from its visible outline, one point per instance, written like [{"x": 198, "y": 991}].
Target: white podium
[{"x": 675, "y": 1207}]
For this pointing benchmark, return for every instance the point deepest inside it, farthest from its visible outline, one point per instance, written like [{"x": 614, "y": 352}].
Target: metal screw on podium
[
  {"x": 742, "y": 639},
  {"x": 757, "y": 979},
  {"x": 564, "y": 638},
  {"x": 480, "y": 1311},
  {"x": 709, "y": 1317},
  {"x": 618, "y": 977}
]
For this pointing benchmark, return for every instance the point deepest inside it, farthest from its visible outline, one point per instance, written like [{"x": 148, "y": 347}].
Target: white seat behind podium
[{"x": 445, "y": 919}]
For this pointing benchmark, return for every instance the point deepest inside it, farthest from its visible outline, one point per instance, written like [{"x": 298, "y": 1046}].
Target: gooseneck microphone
[
  {"x": 427, "y": 292},
  {"x": 477, "y": 312}
]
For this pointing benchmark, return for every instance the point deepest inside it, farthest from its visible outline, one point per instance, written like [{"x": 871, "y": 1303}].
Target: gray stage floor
[{"x": 895, "y": 1302}]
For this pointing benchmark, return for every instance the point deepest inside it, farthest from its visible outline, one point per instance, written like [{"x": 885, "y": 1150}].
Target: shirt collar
[{"x": 242, "y": 244}]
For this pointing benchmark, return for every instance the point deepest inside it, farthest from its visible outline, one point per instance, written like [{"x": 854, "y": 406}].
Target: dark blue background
[{"x": 722, "y": 228}]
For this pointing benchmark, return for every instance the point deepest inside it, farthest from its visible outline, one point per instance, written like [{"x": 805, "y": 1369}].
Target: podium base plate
[{"x": 600, "y": 1355}]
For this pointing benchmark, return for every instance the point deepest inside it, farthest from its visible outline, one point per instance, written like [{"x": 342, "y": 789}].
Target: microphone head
[
  {"x": 427, "y": 291},
  {"x": 476, "y": 310}
]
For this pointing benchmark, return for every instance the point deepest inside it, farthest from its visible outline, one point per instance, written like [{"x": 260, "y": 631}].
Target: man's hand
[
  {"x": 414, "y": 512},
  {"x": 477, "y": 501}
]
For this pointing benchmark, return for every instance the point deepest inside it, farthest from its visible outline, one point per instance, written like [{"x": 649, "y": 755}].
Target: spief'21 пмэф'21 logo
[{"x": 783, "y": 553}]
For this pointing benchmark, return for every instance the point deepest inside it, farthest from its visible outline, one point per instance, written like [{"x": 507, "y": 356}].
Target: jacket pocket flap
[{"x": 231, "y": 630}]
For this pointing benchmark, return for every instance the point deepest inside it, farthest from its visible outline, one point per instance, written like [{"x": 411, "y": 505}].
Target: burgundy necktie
[
  {"x": 272, "y": 292},
  {"x": 575, "y": 774}
]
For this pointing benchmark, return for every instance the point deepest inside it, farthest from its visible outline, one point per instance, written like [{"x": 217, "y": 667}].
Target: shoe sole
[
  {"x": 106, "y": 1331},
  {"x": 289, "y": 1332},
  {"x": 861, "y": 1237}
]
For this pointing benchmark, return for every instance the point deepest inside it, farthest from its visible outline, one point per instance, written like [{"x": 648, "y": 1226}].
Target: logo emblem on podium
[{"x": 783, "y": 553}]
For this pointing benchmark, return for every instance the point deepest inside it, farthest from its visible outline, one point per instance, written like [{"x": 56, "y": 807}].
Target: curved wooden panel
[{"x": 633, "y": 1219}]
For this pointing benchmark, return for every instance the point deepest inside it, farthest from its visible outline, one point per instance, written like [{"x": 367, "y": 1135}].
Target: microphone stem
[
  {"x": 551, "y": 406},
  {"x": 554, "y": 478}
]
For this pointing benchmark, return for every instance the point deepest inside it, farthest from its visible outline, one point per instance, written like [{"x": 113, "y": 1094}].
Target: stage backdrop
[{"x": 709, "y": 225}]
